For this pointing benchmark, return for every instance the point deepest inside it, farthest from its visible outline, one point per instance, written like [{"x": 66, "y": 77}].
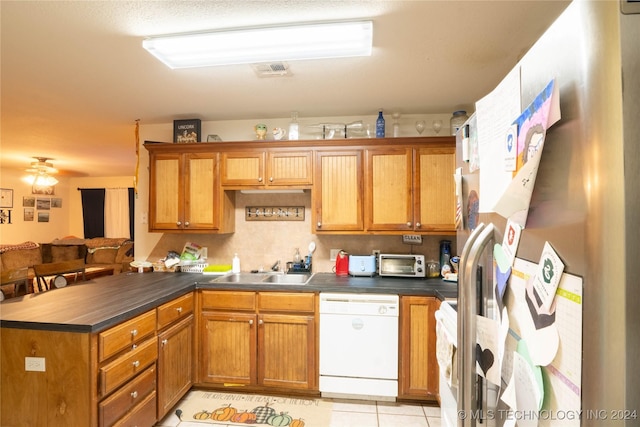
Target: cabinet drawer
[
  {"x": 174, "y": 310},
  {"x": 143, "y": 415},
  {"x": 228, "y": 300},
  {"x": 130, "y": 395},
  {"x": 118, "y": 338},
  {"x": 116, "y": 373},
  {"x": 285, "y": 301}
]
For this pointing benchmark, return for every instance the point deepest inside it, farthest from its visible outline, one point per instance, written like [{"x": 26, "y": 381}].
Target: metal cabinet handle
[
  {"x": 164, "y": 342},
  {"x": 134, "y": 332},
  {"x": 134, "y": 394},
  {"x": 186, "y": 223},
  {"x": 418, "y": 225},
  {"x": 179, "y": 309},
  {"x": 408, "y": 223},
  {"x": 319, "y": 224},
  {"x": 136, "y": 363},
  {"x": 179, "y": 223},
  {"x": 260, "y": 179},
  {"x": 251, "y": 322},
  {"x": 271, "y": 179},
  {"x": 260, "y": 321}
]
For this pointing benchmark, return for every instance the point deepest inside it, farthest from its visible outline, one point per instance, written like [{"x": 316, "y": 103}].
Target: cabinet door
[
  {"x": 289, "y": 168},
  {"x": 287, "y": 351},
  {"x": 418, "y": 364},
  {"x": 337, "y": 194},
  {"x": 389, "y": 184},
  {"x": 434, "y": 196},
  {"x": 175, "y": 364},
  {"x": 201, "y": 192},
  {"x": 166, "y": 198},
  {"x": 228, "y": 347},
  {"x": 242, "y": 168}
]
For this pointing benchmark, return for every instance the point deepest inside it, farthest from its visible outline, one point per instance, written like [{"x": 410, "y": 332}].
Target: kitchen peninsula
[{"x": 123, "y": 348}]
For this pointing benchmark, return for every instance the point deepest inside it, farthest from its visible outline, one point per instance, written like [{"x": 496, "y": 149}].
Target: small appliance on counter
[
  {"x": 362, "y": 265},
  {"x": 401, "y": 265},
  {"x": 342, "y": 264}
]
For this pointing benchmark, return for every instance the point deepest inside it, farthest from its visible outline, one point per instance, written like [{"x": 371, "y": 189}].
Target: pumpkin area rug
[{"x": 228, "y": 409}]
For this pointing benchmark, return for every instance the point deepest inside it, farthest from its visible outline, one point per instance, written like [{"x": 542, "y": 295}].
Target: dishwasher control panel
[{"x": 362, "y": 304}]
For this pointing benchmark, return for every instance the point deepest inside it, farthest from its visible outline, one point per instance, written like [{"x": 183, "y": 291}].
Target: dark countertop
[{"x": 98, "y": 304}]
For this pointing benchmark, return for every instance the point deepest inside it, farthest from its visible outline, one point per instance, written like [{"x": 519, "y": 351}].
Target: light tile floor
[{"x": 359, "y": 413}]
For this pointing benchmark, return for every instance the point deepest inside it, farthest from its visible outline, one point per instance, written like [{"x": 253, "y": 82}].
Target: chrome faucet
[{"x": 276, "y": 266}]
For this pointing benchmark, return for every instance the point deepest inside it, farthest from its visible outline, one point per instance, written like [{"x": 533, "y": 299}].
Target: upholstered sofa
[{"x": 97, "y": 252}]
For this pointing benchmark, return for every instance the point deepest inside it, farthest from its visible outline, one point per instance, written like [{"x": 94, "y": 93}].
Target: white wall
[{"x": 63, "y": 221}]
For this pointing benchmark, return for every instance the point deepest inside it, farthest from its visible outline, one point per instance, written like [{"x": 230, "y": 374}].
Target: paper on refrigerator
[{"x": 532, "y": 124}]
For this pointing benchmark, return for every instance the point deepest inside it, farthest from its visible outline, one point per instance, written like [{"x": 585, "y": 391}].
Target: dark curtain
[
  {"x": 132, "y": 200},
  {"x": 93, "y": 211}
]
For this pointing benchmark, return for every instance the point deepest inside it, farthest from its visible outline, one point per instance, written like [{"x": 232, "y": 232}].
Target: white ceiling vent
[{"x": 272, "y": 69}]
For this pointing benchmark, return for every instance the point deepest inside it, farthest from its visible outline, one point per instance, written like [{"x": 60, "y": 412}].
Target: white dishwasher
[{"x": 359, "y": 345}]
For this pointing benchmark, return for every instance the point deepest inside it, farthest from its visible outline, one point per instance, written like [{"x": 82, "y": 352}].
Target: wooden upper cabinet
[
  {"x": 434, "y": 195},
  {"x": 201, "y": 191},
  {"x": 337, "y": 195},
  {"x": 166, "y": 200},
  {"x": 389, "y": 189},
  {"x": 262, "y": 169},
  {"x": 242, "y": 168},
  {"x": 185, "y": 193},
  {"x": 289, "y": 168},
  {"x": 410, "y": 189}
]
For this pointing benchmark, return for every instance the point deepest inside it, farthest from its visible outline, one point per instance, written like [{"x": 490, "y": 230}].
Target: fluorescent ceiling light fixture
[{"x": 263, "y": 44}]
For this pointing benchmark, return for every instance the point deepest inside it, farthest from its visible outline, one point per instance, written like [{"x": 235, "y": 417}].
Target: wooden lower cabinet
[
  {"x": 259, "y": 339},
  {"x": 228, "y": 348},
  {"x": 176, "y": 335},
  {"x": 175, "y": 362},
  {"x": 286, "y": 356},
  {"x": 418, "y": 364}
]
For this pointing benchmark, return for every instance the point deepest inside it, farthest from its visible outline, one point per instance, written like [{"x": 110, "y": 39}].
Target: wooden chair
[
  {"x": 58, "y": 273},
  {"x": 18, "y": 277}
]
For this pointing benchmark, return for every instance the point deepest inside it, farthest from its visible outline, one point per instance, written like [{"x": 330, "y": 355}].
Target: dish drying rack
[{"x": 196, "y": 266}]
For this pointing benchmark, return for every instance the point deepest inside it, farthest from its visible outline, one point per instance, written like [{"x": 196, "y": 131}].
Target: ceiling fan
[{"x": 40, "y": 173}]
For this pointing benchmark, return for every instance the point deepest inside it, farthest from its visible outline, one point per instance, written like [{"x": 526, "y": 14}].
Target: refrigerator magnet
[{"x": 548, "y": 274}]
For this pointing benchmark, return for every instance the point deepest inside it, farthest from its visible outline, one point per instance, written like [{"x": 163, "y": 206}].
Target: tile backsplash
[{"x": 259, "y": 244}]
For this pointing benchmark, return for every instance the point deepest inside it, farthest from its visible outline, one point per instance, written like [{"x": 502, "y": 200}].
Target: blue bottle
[{"x": 380, "y": 126}]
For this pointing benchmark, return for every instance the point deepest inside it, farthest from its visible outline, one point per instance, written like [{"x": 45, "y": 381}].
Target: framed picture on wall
[
  {"x": 28, "y": 202},
  {"x": 43, "y": 204},
  {"x": 186, "y": 131},
  {"x": 56, "y": 202},
  {"x": 48, "y": 190},
  {"x": 28, "y": 214},
  {"x": 43, "y": 216},
  {"x": 6, "y": 198}
]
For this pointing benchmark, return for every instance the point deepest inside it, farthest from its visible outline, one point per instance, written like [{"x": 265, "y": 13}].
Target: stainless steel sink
[
  {"x": 263, "y": 278},
  {"x": 288, "y": 279}
]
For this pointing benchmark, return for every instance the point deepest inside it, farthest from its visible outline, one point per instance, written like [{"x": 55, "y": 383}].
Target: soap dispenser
[{"x": 235, "y": 264}]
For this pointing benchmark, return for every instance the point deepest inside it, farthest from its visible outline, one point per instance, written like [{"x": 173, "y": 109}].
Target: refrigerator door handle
[{"x": 467, "y": 312}]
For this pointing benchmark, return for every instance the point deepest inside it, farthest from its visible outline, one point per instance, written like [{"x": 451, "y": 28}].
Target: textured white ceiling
[{"x": 75, "y": 77}]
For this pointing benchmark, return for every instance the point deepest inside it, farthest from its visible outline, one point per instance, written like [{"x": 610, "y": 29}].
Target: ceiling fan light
[
  {"x": 39, "y": 173},
  {"x": 263, "y": 44}
]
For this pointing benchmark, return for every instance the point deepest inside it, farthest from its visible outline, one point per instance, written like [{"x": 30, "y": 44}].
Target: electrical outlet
[
  {"x": 34, "y": 364},
  {"x": 412, "y": 239},
  {"x": 333, "y": 254}
]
